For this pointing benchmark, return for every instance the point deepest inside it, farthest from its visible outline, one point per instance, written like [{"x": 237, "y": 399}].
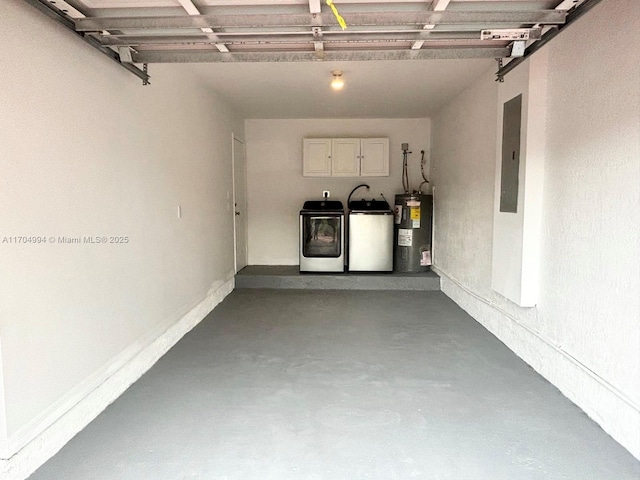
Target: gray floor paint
[
  {"x": 293, "y": 384},
  {"x": 289, "y": 276}
]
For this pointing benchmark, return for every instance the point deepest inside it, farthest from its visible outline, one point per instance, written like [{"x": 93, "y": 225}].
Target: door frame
[{"x": 234, "y": 194}]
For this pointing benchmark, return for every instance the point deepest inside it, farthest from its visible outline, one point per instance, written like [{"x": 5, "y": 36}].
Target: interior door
[{"x": 239, "y": 204}]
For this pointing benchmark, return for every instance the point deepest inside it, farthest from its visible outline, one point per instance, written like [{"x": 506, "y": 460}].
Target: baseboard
[
  {"x": 614, "y": 411},
  {"x": 273, "y": 261},
  {"x": 33, "y": 445}
]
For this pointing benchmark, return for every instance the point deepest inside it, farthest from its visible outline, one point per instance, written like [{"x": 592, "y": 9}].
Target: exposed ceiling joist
[
  {"x": 439, "y": 5},
  {"x": 191, "y": 9},
  {"x": 153, "y": 31},
  {"x": 436, "y": 6},
  {"x": 568, "y": 4},
  {"x": 315, "y": 6},
  {"x": 318, "y": 45}
]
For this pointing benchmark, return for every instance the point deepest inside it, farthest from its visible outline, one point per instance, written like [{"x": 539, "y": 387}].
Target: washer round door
[{"x": 321, "y": 235}]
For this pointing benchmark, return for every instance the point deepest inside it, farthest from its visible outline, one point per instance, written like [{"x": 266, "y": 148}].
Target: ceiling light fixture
[{"x": 337, "y": 82}]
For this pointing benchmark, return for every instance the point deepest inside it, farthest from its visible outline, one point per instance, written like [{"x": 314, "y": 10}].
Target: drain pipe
[{"x": 353, "y": 191}]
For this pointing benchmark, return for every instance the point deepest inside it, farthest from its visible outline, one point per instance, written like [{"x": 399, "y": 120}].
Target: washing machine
[{"x": 370, "y": 236}]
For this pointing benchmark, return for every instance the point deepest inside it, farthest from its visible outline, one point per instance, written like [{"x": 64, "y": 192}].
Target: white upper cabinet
[
  {"x": 317, "y": 157},
  {"x": 346, "y": 157},
  {"x": 345, "y": 154},
  {"x": 374, "y": 157}
]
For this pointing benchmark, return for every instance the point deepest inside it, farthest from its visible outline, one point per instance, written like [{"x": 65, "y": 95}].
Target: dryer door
[{"x": 322, "y": 235}]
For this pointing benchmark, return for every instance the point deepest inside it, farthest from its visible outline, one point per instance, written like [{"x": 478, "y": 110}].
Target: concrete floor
[
  {"x": 292, "y": 384},
  {"x": 289, "y": 276}
]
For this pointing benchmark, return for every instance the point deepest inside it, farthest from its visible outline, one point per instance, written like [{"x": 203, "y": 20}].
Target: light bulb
[{"x": 337, "y": 82}]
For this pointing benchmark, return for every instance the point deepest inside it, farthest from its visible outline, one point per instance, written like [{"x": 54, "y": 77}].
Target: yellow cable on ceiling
[{"x": 339, "y": 18}]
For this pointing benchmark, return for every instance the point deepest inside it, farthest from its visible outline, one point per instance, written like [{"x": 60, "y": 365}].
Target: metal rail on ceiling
[
  {"x": 283, "y": 37},
  {"x": 209, "y": 56},
  {"x": 118, "y": 37},
  {"x": 96, "y": 24},
  {"x": 55, "y": 14},
  {"x": 572, "y": 16}
]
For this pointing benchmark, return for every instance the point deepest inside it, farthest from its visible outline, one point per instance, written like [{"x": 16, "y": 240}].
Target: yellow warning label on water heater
[{"x": 415, "y": 217}]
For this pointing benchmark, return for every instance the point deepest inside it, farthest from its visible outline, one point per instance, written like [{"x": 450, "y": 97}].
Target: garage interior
[
  {"x": 135, "y": 120},
  {"x": 297, "y": 383}
]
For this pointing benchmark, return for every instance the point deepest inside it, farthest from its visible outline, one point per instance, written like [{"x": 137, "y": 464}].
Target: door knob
[{"x": 237, "y": 213}]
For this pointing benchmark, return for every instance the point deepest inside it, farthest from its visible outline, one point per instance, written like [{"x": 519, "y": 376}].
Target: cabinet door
[
  {"x": 346, "y": 157},
  {"x": 375, "y": 157},
  {"x": 316, "y": 157}
]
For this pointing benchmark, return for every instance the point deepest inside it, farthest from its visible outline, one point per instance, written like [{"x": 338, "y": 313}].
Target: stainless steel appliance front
[
  {"x": 321, "y": 238},
  {"x": 370, "y": 241}
]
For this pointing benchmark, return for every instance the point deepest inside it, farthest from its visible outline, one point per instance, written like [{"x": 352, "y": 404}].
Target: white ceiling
[
  {"x": 375, "y": 89},
  {"x": 273, "y": 59}
]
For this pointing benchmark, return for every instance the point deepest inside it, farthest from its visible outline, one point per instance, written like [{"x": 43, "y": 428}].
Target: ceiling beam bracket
[
  {"x": 500, "y": 65},
  {"x": 145, "y": 69}
]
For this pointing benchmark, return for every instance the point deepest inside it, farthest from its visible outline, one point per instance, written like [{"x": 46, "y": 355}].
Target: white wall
[
  {"x": 277, "y": 189},
  {"x": 86, "y": 150},
  {"x": 516, "y": 235},
  {"x": 584, "y": 333}
]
